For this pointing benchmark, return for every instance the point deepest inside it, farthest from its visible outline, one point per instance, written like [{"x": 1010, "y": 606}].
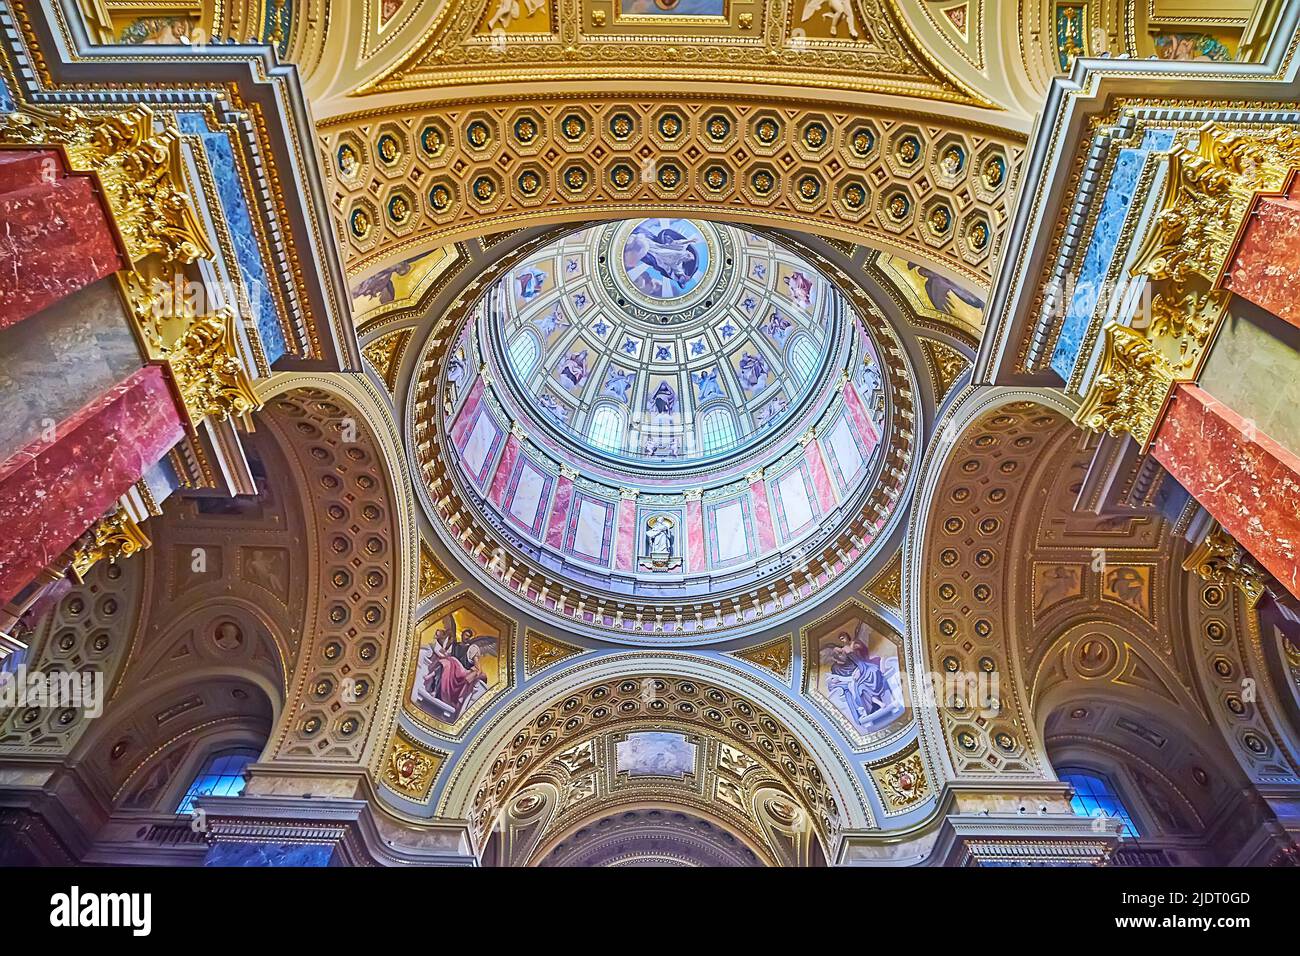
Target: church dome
[{"x": 650, "y": 420}]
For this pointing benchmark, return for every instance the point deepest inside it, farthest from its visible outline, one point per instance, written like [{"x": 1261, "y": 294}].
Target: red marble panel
[
  {"x": 1267, "y": 259},
  {"x": 695, "y": 536},
  {"x": 559, "y": 513},
  {"x": 56, "y": 236},
  {"x": 1246, "y": 480},
  {"x": 763, "y": 517},
  {"x": 509, "y": 455},
  {"x": 50, "y": 493},
  {"x": 625, "y": 537}
]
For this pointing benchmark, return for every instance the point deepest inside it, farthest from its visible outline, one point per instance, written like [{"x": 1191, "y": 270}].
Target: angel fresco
[
  {"x": 839, "y": 10},
  {"x": 801, "y": 290},
  {"x": 706, "y": 380},
  {"x": 753, "y": 372},
  {"x": 778, "y": 327},
  {"x": 618, "y": 382},
  {"x": 452, "y": 672},
  {"x": 864, "y": 687},
  {"x": 552, "y": 321},
  {"x": 530, "y": 283}
]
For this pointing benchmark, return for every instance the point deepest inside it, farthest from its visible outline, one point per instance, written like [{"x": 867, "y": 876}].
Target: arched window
[
  {"x": 1094, "y": 795},
  {"x": 803, "y": 358},
  {"x": 608, "y": 426},
  {"x": 222, "y": 776},
  {"x": 718, "y": 430},
  {"x": 523, "y": 354}
]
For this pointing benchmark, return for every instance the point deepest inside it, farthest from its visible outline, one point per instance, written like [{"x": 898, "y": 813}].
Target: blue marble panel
[
  {"x": 1090, "y": 273},
  {"x": 6, "y": 98},
  {"x": 239, "y": 220},
  {"x": 268, "y": 854}
]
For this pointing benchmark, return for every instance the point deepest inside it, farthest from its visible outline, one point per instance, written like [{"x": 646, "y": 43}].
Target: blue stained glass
[
  {"x": 1094, "y": 796},
  {"x": 221, "y": 776}
]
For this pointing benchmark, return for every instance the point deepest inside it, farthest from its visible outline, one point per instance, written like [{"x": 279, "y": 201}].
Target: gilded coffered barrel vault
[{"x": 567, "y": 433}]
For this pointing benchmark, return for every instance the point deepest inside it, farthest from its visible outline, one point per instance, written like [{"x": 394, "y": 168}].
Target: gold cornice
[{"x": 112, "y": 537}]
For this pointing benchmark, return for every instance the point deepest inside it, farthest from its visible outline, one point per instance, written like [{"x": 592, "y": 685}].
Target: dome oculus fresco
[
  {"x": 665, "y": 342},
  {"x": 667, "y": 414}
]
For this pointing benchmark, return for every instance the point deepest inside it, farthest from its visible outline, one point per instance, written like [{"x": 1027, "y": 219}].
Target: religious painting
[
  {"x": 516, "y": 16},
  {"x": 551, "y": 324},
  {"x": 163, "y": 31},
  {"x": 1129, "y": 585},
  {"x": 655, "y": 753},
  {"x": 933, "y": 294},
  {"x": 463, "y": 661},
  {"x": 1192, "y": 46},
  {"x": 1054, "y": 583},
  {"x": 797, "y": 286},
  {"x": 665, "y": 258},
  {"x": 672, "y": 8},
  {"x": 575, "y": 368},
  {"x": 530, "y": 282},
  {"x": 853, "y": 669},
  {"x": 753, "y": 370}
]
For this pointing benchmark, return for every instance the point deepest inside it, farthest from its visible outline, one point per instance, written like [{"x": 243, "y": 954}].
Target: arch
[
  {"x": 803, "y": 357},
  {"x": 717, "y": 429},
  {"x": 525, "y": 351},
  {"x": 608, "y": 428},
  {"x": 485, "y": 779},
  {"x": 373, "y": 652}
]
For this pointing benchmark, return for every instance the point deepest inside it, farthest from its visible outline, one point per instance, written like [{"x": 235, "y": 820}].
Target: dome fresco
[
  {"x": 665, "y": 342},
  {"x": 566, "y": 499}
]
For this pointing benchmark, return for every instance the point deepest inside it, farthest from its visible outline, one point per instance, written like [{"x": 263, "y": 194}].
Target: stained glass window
[
  {"x": 1094, "y": 796},
  {"x": 221, "y": 776},
  {"x": 719, "y": 431}
]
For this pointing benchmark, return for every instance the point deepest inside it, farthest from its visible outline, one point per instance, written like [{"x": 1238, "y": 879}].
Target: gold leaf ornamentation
[
  {"x": 541, "y": 652},
  {"x": 112, "y": 537},
  {"x": 138, "y": 166},
  {"x": 774, "y": 656},
  {"x": 1219, "y": 559},
  {"x": 902, "y": 781},
  {"x": 410, "y": 769},
  {"x": 208, "y": 372},
  {"x": 1130, "y": 388}
]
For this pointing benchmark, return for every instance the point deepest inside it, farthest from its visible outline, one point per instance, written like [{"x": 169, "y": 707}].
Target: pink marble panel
[
  {"x": 763, "y": 516},
  {"x": 1249, "y": 482},
  {"x": 821, "y": 480},
  {"x": 626, "y": 538},
  {"x": 695, "y": 536},
  {"x": 465, "y": 419},
  {"x": 505, "y": 466},
  {"x": 865, "y": 428},
  {"x": 559, "y": 513},
  {"x": 50, "y": 493},
  {"x": 1267, "y": 259}
]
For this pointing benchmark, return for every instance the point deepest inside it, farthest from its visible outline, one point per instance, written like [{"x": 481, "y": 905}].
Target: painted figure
[
  {"x": 753, "y": 372},
  {"x": 664, "y": 400},
  {"x": 863, "y": 687},
  {"x": 801, "y": 290},
  {"x": 665, "y": 259},
  {"x": 619, "y": 382},
  {"x": 707, "y": 383},
  {"x": 573, "y": 371},
  {"x": 450, "y": 675}
]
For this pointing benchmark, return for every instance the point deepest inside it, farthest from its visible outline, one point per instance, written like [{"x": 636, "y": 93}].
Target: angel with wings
[
  {"x": 451, "y": 673},
  {"x": 839, "y": 10}
]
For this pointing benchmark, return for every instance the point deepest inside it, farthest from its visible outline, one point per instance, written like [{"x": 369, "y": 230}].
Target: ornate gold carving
[
  {"x": 902, "y": 781},
  {"x": 138, "y": 169},
  {"x": 385, "y": 354},
  {"x": 410, "y": 769},
  {"x": 946, "y": 363},
  {"x": 1209, "y": 191},
  {"x": 540, "y": 652},
  {"x": 887, "y": 586},
  {"x": 208, "y": 372},
  {"x": 433, "y": 576},
  {"x": 1130, "y": 388},
  {"x": 774, "y": 656},
  {"x": 112, "y": 537},
  {"x": 1221, "y": 560}
]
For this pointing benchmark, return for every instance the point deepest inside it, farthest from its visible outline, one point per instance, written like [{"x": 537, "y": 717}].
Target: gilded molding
[
  {"x": 210, "y": 377},
  {"x": 1218, "y": 559},
  {"x": 112, "y": 537}
]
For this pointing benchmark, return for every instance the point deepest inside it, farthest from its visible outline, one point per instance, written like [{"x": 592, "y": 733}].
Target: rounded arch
[{"x": 340, "y": 430}]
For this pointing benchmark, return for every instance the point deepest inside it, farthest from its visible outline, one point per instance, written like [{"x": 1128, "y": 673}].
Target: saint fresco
[
  {"x": 854, "y": 669},
  {"x": 463, "y": 660}
]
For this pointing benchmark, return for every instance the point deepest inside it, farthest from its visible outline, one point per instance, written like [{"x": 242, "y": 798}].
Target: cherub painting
[
  {"x": 800, "y": 288},
  {"x": 753, "y": 372}
]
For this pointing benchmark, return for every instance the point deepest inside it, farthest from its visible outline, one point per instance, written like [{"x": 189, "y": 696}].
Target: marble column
[
  {"x": 1267, "y": 257},
  {"x": 1246, "y": 480},
  {"x": 51, "y": 492},
  {"x": 57, "y": 236}
]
